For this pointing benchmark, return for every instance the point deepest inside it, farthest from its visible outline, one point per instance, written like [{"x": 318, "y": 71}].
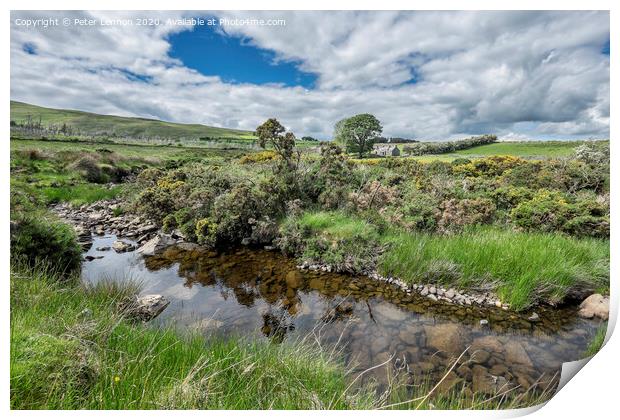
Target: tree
[
  {"x": 359, "y": 132},
  {"x": 271, "y": 132},
  {"x": 338, "y": 136}
]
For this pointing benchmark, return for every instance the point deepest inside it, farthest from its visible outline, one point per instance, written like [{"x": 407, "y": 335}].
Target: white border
[{"x": 590, "y": 395}]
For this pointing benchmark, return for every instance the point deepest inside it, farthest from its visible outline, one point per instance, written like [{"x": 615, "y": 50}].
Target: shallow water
[{"x": 262, "y": 294}]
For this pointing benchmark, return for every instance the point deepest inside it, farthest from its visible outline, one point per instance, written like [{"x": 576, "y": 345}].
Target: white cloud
[{"x": 476, "y": 72}]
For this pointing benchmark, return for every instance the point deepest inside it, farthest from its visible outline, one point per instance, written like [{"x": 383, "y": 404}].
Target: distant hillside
[{"x": 86, "y": 123}]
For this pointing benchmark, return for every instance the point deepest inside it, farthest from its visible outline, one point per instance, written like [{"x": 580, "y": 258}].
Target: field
[
  {"x": 528, "y": 222},
  {"x": 113, "y": 126},
  {"x": 523, "y": 149}
]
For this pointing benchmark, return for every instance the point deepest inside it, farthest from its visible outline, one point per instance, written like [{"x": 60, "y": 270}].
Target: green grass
[
  {"x": 61, "y": 359},
  {"x": 523, "y": 149},
  {"x": 337, "y": 224},
  {"x": 597, "y": 342},
  {"x": 97, "y": 124},
  {"x": 522, "y": 268},
  {"x": 79, "y": 194}
]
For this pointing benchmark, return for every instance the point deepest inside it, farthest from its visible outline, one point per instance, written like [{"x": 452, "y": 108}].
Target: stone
[
  {"x": 480, "y": 356},
  {"x": 122, "y": 246},
  {"x": 515, "y": 354},
  {"x": 488, "y": 343},
  {"x": 485, "y": 383},
  {"x": 207, "y": 324},
  {"x": 408, "y": 335},
  {"x": 464, "y": 372},
  {"x": 156, "y": 245},
  {"x": 448, "y": 383},
  {"x": 484, "y": 322},
  {"x": 449, "y": 338},
  {"x": 450, "y": 294},
  {"x": 534, "y": 317},
  {"x": 424, "y": 291},
  {"x": 595, "y": 305},
  {"x": 187, "y": 246},
  {"x": 432, "y": 290},
  {"x": 144, "y": 308},
  {"x": 103, "y": 248}
]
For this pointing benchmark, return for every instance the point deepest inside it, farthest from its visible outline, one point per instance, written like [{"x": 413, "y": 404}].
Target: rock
[
  {"x": 424, "y": 291},
  {"x": 144, "y": 308},
  {"x": 488, "y": 343},
  {"x": 515, "y": 354},
  {"x": 293, "y": 279},
  {"x": 448, "y": 383},
  {"x": 187, "y": 246},
  {"x": 156, "y": 245},
  {"x": 122, "y": 246},
  {"x": 595, "y": 305},
  {"x": 103, "y": 248},
  {"x": 480, "y": 356},
  {"x": 448, "y": 338},
  {"x": 534, "y": 317},
  {"x": 485, "y": 383},
  {"x": 484, "y": 322},
  {"x": 207, "y": 324},
  {"x": 432, "y": 290},
  {"x": 89, "y": 258},
  {"x": 450, "y": 293},
  {"x": 408, "y": 336}
]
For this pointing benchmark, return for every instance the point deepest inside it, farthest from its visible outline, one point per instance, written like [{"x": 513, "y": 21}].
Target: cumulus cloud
[{"x": 428, "y": 75}]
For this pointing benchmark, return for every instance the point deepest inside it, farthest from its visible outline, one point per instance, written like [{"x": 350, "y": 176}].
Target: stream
[{"x": 261, "y": 294}]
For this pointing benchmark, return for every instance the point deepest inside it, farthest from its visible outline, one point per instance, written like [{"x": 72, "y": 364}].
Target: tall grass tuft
[{"x": 523, "y": 267}]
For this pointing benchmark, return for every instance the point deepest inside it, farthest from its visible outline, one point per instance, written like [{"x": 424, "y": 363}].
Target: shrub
[
  {"x": 454, "y": 214},
  {"x": 546, "y": 211},
  {"x": 36, "y": 239},
  {"x": 264, "y": 156},
  {"x": 373, "y": 195},
  {"x": 88, "y": 168}
]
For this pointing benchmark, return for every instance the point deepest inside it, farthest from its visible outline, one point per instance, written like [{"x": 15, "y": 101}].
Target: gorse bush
[{"x": 37, "y": 239}]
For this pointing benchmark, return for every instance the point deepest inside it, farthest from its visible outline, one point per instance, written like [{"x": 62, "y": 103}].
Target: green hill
[{"x": 90, "y": 124}]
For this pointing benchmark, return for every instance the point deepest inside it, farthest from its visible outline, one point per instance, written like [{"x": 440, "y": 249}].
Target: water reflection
[{"x": 262, "y": 293}]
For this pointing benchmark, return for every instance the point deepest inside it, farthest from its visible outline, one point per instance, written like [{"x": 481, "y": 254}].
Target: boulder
[
  {"x": 595, "y": 305},
  {"x": 122, "y": 246},
  {"x": 156, "y": 245},
  {"x": 449, "y": 338},
  {"x": 488, "y": 343},
  {"x": 144, "y": 308},
  {"x": 485, "y": 383},
  {"x": 515, "y": 354}
]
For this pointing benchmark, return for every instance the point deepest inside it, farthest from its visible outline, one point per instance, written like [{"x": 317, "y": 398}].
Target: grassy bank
[
  {"x": 523, "y": 268},
  {"x": 70, "y": 349}
]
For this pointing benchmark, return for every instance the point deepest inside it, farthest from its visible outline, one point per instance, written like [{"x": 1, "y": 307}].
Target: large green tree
[{"x": 358, "y": 133}]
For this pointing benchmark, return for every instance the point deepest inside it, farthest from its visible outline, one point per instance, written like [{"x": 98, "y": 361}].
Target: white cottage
[{"x": 386, "y": 150}]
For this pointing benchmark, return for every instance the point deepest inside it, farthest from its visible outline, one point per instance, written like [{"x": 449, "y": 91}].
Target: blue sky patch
[
  {"x": 231, "y": 58},
  {"x": 30, "y": 48}
]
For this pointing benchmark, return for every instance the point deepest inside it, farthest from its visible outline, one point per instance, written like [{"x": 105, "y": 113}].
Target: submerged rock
[
  {"x": 595, "y": 305},
  {"x": 448, "y": 338}
]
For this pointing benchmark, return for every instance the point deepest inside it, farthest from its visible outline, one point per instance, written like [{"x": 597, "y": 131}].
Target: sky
[{"x": 425, "y": 75}]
